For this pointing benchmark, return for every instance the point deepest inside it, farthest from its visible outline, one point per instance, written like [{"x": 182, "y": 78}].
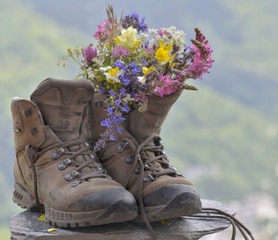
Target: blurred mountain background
[{"x": 222, "y": 137}]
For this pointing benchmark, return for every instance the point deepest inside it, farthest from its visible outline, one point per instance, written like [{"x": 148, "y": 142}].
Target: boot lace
[
  {"x": 83, "y": 149},
  {"x": 156, "y": 165}
]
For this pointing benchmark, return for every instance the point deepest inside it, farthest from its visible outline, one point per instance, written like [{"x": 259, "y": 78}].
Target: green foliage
[
  {"x": 232, "y": 146},
  {"x": 4, "y": 232}
]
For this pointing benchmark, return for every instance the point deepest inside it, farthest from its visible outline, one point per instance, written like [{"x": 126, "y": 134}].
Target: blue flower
[
  {"x": 125, "y": 108},
  {"x": 110, "y": 110},
  {"x": 105, "y": 123},
  {"x": 133, "y": 20},
  {"x": 122, "y": 91},
  {"x": 112, "y": 138},
  {"x": 112, "y": 93},
  {"x": 132, "y": 65},
  {"x": 120, "y": 130},
  {"x": 121, "y": 118},
  {"x": 120, "y": 65},
  {"x": 126, "y": 81},
  {"x": 117, "y": 103}
]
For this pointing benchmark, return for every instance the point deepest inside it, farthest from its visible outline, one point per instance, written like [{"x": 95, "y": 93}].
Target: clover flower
[
  {"x": 89, "y": 53},
  {"x": 120, "y": 51}
]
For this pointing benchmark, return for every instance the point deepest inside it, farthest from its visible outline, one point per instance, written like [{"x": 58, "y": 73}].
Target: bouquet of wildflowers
[{"x": 130, "y": 62}]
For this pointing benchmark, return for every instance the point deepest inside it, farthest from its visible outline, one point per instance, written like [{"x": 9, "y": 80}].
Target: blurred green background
[{"x": 222, "y": 137}]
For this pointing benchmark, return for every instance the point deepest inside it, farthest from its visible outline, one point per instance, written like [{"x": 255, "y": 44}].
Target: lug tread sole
[{"x": 118, "y": 212}]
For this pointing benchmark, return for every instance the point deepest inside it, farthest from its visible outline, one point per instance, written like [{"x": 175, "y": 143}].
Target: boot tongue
[{"x": 63, "y": 104}]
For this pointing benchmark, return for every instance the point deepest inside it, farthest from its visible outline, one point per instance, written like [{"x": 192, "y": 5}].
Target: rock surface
[{"x": 26, "y": 225}]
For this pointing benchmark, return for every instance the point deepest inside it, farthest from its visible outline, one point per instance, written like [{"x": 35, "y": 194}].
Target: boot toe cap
[
  {"x": 171, "y": 201},
  {"x": 105, "y": 199}
]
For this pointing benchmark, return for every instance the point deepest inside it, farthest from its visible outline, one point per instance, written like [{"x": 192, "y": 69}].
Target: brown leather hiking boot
[
  {"x": 54, "y": 166},
  {"x": 141, "y": 165}
]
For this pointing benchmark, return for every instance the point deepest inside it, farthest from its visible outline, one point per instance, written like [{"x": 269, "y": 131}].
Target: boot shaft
[
  {"x": 143, "y": 124},
  {"x": 64, "y": 106}
]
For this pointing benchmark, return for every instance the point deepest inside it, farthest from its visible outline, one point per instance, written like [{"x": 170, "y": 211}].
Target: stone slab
[{"x": 26, "y": 225}]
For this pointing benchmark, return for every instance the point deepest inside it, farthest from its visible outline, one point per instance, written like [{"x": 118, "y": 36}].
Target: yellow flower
[
  {"x": 42, "y": 217},
  {"x": 147, "y": 70},
  {"x": 128, "y": 39},
  {"x": 137, "y": 44},
  {"x": 52, "y": 230},
  {"x": 162, "y": 54},
  {"x": 113, "y": 71},
  {"x": 99, "y": 79}
]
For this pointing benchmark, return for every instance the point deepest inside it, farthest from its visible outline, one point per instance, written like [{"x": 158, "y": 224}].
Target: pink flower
[
  {"x": 160, "y": 32},
  {"x": 119, "y": 51},
  {"x": 103, "y": 31},
  {"x": 166, "y": 85},
  {"x": 89, "y": 53},
  {"x": 202, "y": 60}
]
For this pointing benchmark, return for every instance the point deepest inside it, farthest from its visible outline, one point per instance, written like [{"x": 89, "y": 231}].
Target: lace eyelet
[
  {"x": 57, "y": 154},
  {"x": 63, "y": 165},
  {"x": 71, "y": 175},
  {"x": 129, "y": 159},
  {"x": 137, "y": 170},
  {"x": 77, "y": 182},
  {"x": 150, "y": 177},
  {"x": 146, "y": 179},
  {"x": 87, "y": 145},
  {"x": 146, "y": 166},
  {"x": 172, "y": 167},
  {"x": 121, "y": 147}
]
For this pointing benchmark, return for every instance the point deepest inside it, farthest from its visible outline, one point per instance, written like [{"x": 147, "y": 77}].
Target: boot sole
[
  {"x": 118, "y": 212},
  {"x": 184, "y": 204}
]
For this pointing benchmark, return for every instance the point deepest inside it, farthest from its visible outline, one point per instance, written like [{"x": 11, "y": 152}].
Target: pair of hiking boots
[{"x": 57, "y": 171}]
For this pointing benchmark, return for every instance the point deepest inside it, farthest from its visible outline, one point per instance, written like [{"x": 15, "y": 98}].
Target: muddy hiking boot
[
  {"x": 138, "y": 162},
  {"x": 55, "y": 169}
]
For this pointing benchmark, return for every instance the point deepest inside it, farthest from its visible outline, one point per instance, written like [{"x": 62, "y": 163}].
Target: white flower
[
  {"x": 143, "y": 37},
  {"x": 142, "y": 79},
  {"x": 105, "y": 69},
  {"x": 152, "y": 31},
  {"x": 90, "y": 73},
  {"x": 127, "y": 98}
]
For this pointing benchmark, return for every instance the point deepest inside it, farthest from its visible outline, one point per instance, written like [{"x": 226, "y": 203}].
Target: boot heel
[{"x": 24, "y": 199}]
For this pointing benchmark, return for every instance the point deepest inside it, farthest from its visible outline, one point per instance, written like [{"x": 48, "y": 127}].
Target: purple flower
[
  {"x": 120, "y": 51},
  {"x": 89, "y": 53},
  {"x": 133, "y": 20}
]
